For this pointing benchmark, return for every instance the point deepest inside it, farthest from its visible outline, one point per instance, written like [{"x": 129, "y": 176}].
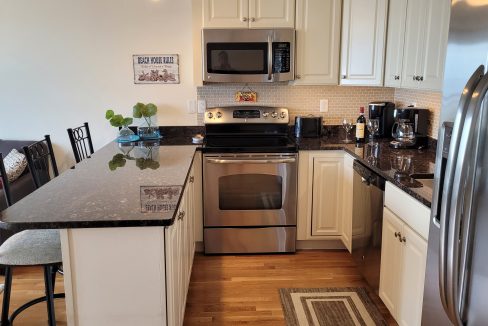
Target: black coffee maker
[
  {"x": 418, "y": 118},
  {"x": 383, "y": 111}
]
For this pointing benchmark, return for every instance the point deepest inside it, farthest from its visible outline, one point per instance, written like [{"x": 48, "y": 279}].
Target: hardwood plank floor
[
  {"x": 230, "y": 290},
  {"x": 224, "y": 290}
]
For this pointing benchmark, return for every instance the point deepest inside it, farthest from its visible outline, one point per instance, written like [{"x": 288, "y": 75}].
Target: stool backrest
[
  {"x": 5, "y": 183},
  {"x": 81, "y": 142},
  {"x": 41, "y": 161}
]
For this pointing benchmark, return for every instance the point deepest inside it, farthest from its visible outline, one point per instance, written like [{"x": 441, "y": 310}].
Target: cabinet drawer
[{"x": 410, "y": 210}]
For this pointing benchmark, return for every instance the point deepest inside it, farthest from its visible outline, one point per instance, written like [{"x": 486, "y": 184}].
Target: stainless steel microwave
[{"x": 248, "y": 55}]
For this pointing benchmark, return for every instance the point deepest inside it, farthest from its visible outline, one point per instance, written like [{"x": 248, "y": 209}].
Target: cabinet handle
[
  {"x": 181, "y": 214},
  {"x": 252, "y": 19},
  {"x": 344, "y": 76},
  {"x": 192, "y": 179},
  {"x": 397, "y": 77},
  {"x": 398, "y": 234},
  {"x": 244, "y": 19}
]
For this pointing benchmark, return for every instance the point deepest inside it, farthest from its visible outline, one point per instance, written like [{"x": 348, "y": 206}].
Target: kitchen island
[{"x": 126, "y": 222}]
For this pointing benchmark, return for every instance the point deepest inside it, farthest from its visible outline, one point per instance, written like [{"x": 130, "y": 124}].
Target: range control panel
[{"x": 251, "y": 114}]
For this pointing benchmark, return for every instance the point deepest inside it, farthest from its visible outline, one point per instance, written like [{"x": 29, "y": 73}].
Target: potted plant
[
  {"x": 146, "y": 111},
  {"x": 118, "y": 121}
]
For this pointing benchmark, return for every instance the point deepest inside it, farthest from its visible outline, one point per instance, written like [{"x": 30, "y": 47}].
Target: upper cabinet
[
  {"x": 363, "y": 42},
  {"x": 417, "y": 41},
  {"x": 248, "y": 13},
  {"x": 318, "y": 34}
]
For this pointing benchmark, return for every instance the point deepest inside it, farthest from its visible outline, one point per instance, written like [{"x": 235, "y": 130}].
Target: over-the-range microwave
[{"x": 248, "y": 55}]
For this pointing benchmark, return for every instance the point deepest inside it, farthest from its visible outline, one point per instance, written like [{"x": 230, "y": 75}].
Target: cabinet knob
[
  {"x": 414, "y": 77},
  {"x": 244, "y": 19},
  {"x": 343, "y": 76},
  {"x": 403, "y": 239},
  {"x": 181, "y": 214},
  {"x": 298, "y": 77},
  {"x": 252, "y": 19},
  {"x": 192, "y": 179},
  {"x": 397, "y": 234},
  {"x": 421, "y": 78},
  {"x": 397, "y": 77}
]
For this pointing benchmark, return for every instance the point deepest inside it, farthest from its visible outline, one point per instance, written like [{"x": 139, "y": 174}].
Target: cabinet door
[
  {"x": 391, "y": 261},
  {"x": 318, "y": 28},
  {"x": 397, "y": 15},
  {"x": 363, "y": 42},
  {"x": 197, "y": 199},
  {"x": 411, "y": 286},
  {"x": 173, "y": 274},
  {"x": 271, "y": 13},
  {"x": 435, "y": 30},
  {"x": 347, "y": 201},
  {"x": 414, "y": 40},
  {"x": 327, "y": 196},
  {"x": 225, "y": 13}
]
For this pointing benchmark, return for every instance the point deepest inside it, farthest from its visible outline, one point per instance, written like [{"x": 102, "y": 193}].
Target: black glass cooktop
[{"x": 240, "y": 144}]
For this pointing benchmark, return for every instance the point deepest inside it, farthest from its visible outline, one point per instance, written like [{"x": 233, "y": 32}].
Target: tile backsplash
[{"x": 344, "y": 101}]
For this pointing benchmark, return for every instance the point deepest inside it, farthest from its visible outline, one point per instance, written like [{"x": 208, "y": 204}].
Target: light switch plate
[
  {"x": 324, "y": 105},
  {"x": 202, "y": 105},
  {"x": 191, "y": 106}
]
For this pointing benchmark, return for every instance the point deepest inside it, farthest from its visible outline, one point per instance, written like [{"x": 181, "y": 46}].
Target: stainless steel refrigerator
[{"x": 456, "y": 285}]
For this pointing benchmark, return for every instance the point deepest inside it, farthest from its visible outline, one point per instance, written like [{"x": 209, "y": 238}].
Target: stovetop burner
[{"x": 247, "y": 129}]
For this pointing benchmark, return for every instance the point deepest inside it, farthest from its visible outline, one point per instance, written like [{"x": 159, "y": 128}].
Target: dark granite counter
[
  {"x": 139, "y": 184},
  {"x": 395, "y": 165}
]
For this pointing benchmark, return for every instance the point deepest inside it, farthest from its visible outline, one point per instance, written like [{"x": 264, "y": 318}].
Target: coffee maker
[
  {"x": 383, "y": 111},
  {"x": 418, "y": 120}
]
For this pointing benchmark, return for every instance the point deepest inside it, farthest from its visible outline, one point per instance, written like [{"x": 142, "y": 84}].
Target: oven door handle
[{"x": 253, "y": 161}]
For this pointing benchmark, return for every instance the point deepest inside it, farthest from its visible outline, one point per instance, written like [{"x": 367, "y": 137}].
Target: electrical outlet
[
  {"x": 324, "y": 105},
  {"x": 191, "y": 106},
  {"x": 202, "y": 105}
]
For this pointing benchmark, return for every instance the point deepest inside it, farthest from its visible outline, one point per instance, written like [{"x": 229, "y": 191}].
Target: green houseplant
[
  {"x": 146, "y": 112},
  {"x": 118, "y": 121}
]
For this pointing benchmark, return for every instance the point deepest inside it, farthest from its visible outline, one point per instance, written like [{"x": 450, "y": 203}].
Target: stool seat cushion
[{"x": 31, "y": 247}]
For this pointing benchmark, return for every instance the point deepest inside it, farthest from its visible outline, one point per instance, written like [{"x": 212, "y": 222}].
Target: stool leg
[
  {"x": 49, "y": 294},
  {"x": 54, "y": 271},
  {"x": 6, "y": 295}
]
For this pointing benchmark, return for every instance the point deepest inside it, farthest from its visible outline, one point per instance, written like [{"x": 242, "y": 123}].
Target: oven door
[{"x": 250, "y": 189}]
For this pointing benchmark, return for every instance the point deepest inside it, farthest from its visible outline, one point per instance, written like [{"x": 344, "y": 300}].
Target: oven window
[
  {"x": 237, "y": 58},
  {"x": 250, "y": 192}
]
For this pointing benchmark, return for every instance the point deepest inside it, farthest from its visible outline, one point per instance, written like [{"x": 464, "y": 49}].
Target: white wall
[{"x": 64, "y": 62}]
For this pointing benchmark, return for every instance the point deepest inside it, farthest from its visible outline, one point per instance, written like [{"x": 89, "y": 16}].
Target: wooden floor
[
  {"x": 224, "y": 290},
  {"x": 230, "y": 290}
]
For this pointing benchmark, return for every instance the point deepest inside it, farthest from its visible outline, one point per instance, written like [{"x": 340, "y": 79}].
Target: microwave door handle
[
  {"x": 443, "y": 213},
  {"x": 270, "y": 58},
  {"x": 460, "y": 212}
]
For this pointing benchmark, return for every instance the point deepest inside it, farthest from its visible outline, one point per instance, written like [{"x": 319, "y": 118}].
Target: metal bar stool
[{"x": 81, "y": 142}]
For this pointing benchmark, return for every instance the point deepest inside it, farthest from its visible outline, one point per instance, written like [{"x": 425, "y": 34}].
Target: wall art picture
[{"x": 156, "y": 69}]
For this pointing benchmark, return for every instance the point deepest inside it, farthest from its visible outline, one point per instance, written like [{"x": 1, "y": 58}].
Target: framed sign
[{"x": 156, "y": 69}]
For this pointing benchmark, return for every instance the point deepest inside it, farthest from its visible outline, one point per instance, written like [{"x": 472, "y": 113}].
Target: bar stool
[
  {"x": 33, "y": 247},
  {"x": 81, "y": 142}
]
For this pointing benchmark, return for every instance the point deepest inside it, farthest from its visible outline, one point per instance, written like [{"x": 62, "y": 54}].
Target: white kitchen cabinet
[
  {"x": 417, "y": 40},
  {"x": 403, "y": 255},
  {"x": 318, "y": 34},
  {"x": 320, "y": 195},
  {"x": 397, "y": 15},
  {"x": 248, "y": 13},
  {"x": 363, "y": 42}
]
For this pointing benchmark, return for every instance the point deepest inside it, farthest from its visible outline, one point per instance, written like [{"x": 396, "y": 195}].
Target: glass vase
[{"x": 126, "y": 135}]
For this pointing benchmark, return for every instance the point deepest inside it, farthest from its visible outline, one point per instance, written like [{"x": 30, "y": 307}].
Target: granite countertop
[
  {"x": 382, "y": 159},
  {"x": 139, "y": 184}
]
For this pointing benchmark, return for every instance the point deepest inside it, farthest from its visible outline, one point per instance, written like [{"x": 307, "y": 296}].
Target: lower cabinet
[
  {"x": 403, "y": 260},
  {"x": 180, "y": 250},
  {"x": 325, "y": 196}
]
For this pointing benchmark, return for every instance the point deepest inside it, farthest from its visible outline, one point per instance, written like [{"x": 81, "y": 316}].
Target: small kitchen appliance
[
  {"x": 308, "y": 126},
  {"x": 409, "y": 128},
  {"x": 383, "y": 111},
  {"x": 250, "y": 181},
  {"x": 248, "y": 55}
]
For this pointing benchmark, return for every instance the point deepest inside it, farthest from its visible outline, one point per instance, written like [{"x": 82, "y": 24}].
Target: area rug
[{"x": 329, "y": 307}]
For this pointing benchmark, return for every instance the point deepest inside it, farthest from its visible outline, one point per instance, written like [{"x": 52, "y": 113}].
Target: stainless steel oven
[
  {"x": 250, "y": 202},
  {"x": 248, "y": 55}
]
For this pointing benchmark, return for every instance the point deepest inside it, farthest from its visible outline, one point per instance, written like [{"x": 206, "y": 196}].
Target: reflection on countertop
[{"x": 395, "y": 165}]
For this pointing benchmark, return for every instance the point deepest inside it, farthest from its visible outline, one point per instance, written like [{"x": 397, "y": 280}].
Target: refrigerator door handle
[
  {"x": 443, "y": 212},
  {"x": 462, "y": 193}
]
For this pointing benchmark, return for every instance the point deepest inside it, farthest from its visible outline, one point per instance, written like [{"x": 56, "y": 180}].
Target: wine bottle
[{"x": 360, "y": 125}]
